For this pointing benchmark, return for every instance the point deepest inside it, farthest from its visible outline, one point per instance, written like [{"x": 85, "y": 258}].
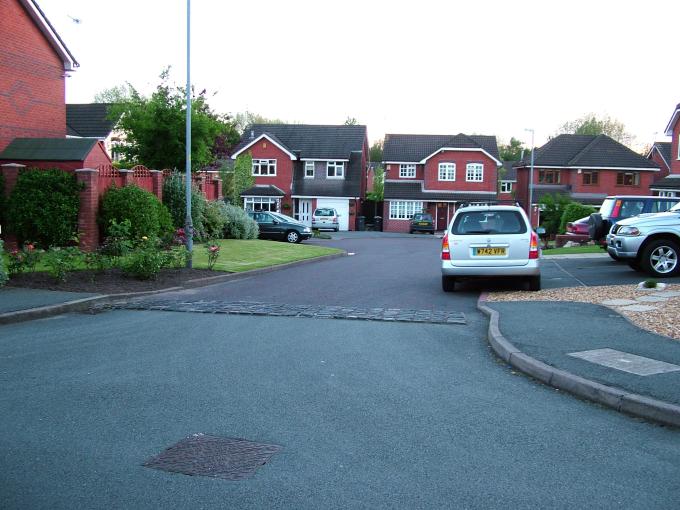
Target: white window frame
[
  {"x": 474, "y": 172},
  {"x": 669, "y": 194},
  {"x": 447, "y": 168},
  {"x": 506, "y": 186},
  {"x": 404, "y": 209},
  {"x": 407, "y": 171},
  {"x": 338, "y": 169},
  {"x": 268, "y": 164},
  {"x": 249, "y": 203},
  {"x": 309, "y": 165}
]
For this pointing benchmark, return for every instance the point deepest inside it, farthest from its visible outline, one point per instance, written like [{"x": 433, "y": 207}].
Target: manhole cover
[{"x": 217, "y": 457}]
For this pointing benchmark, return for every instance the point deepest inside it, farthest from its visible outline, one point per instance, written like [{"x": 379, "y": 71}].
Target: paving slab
[
  {"x": 651, "y": 299},
  {"x": 631, "y": 363},
  {"x": 638, "y": 308},
  {"x": 666, "y": 293},
  {"x": 14, "y": 299},
  {"x": 618, "y": 302}
]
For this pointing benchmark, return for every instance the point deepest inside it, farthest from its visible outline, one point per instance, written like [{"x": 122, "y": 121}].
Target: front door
[
  {"x": 304, "y": 212},
  {"x": 442, "y": 216}
]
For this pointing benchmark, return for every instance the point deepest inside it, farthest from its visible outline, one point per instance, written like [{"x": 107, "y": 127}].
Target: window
[
  {"x": 474, "y": 172},
  {"x": 407, "y": 171},
  {"x": 663, "y": 205},
  {"x": 506, "y": 186},
  {"x": 264, "y": 167},
  {"x": 628, "y": 179},
  {"x": 489, "y": 222},
  {"x": 590, "y": 178},
  {"x": 260, "y": 204},
  {"x": 309, "y": 169},
  {"x": 666, "y": 194},
  {"x": 549, "y": 176},
  {"x": 335, "y": 170},
  {"x": 404, "y": 210},
  {"x": 447, "y": 171}
]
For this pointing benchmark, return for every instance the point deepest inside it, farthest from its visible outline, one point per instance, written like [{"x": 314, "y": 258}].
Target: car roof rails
[{"x": 489, "y": 203}]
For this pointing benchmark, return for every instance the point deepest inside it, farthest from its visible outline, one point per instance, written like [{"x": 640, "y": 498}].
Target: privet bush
[
  {"x": 147, "y": 216},
  {"x": 174, "y": 198},
  {"x": 573, "y": 212},
  {"x": 238, "y": 224},
  {"x": 43, "y": 207},
  {"x": 214, "y": 219}
]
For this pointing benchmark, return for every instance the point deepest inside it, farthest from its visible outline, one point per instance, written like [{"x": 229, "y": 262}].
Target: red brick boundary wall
[{"x": 96, "y": 181}]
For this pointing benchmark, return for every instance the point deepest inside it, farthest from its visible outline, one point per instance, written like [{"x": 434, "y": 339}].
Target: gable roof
[
  {"x": 89, "y": 120},
  {"x": 48, "y": 149},
  {"x": 673, "y": 121},
  {"x": 670, "y": 182},
  {"x": 308, "y": 141},
  {"x": 44, "y": 25},
  {"x": 587, "y": 151},
  {"x": 664, "y": 150},
  {"x": 399, "y": 148},
  {"x": 510, "y": 172}
]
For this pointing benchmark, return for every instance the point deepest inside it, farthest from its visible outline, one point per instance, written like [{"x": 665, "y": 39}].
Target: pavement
[{"x": 14, "y": 299}]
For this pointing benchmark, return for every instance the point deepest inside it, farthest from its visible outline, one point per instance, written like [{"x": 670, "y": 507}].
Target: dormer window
[
  {"x": 447, "y": 171},
  {"x": 335, "y": 169},
  {"x": 407, "y": 171},
  {"x": 474, "y": 172}
]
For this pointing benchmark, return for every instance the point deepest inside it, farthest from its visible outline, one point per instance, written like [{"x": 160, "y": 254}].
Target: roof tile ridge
[{"x": 585, "y": 150}]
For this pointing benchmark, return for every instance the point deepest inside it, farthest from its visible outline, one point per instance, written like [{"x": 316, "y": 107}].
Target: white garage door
[{"x": 340, "y": 205}]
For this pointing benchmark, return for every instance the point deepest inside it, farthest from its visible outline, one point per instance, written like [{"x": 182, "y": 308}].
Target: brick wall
[
  {"x": 392, "y": 173},
  {"x": 461, "y": 159},
  {"x": 31, "y": 79},
  {"x": 656, "y": 158},
  {"x": 675, "y": 162},
  {"x": 283, "y": 179}
]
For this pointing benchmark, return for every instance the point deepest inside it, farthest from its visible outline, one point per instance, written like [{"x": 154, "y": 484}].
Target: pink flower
[{"x": 30, "y": 247}]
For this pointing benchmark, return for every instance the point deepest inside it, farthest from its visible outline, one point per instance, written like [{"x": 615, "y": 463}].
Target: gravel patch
[{"x": 664, "y": 320}]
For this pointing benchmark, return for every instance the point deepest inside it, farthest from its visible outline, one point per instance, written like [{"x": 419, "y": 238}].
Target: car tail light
[
  {"x": 335, "y": 218},
  {"x": 446, "y": 253},
  {"x": 533, "y": 246},
  {"x": 617, "y": 209}
]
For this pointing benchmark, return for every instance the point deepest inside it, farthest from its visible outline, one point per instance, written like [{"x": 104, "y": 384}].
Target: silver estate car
[
  {"x": 487, "y": 241},
  {"x": 326, "y": 218}
]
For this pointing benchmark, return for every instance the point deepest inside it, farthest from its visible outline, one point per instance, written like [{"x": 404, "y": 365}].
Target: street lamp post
[
  {"x": 531, "y": 178},
  {"x": 188, "y": 224}
]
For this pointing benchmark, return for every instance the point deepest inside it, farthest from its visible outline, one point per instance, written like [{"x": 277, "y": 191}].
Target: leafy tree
[
  {"x": 243, "y": 177},
  {"x": 244, "y": 119},
  {"x": 378, "y": 192},
  {"x": 115, "y": 94},
  {"x": 351, "y": 121},
  {"x": 155, "y": 127},
  {"x": 376, "y": 152},
  {"x": 552, "y": 209},
  {"x": 590, "y": 124},
  {"x": 512, "y": 151}
]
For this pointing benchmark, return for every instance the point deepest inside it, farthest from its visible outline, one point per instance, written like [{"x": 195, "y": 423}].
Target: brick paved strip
[{"x": 288, "y": 310}]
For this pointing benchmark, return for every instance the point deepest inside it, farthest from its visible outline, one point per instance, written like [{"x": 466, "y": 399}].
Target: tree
[
  {"x": 155, "y": 129},
  {"x": 376, "y": 152},
  {"x": 590, "y": 124},
  {"x": 512, "y": 151},
  {"x": 552, "y": 209},
  {"x": 244, "y": 119},
  {"x": 115, "y": 94},
  {"x": 351, "y": 121},
  {"x": 242, "y": 178},
  {"x": 378, "y": 192}
]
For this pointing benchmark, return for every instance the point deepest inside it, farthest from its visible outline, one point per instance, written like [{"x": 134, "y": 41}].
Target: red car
[{"x": 578, "y": 227}]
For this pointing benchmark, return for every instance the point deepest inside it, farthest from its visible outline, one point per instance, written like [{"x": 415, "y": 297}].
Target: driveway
[{"x": 368, "y": 414}]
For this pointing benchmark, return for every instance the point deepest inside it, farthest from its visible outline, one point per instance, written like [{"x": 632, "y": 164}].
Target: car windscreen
[
  {"x": 422, "y": 217},
  {"x": 489, "y": 222},
  {"x": 675, "y": 208},
  {"x": 324, "y": 212},
  {"x": 606, "y": 207},
  {"x": 283, "y": 217}
]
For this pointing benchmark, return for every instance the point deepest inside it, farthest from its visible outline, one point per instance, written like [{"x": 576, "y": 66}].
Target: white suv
[{"x": 487, "y": 241}]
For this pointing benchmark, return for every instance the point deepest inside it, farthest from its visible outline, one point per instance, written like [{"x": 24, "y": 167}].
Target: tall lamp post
[
  {"x": 531, "y": 178},
  {"x": 188, "y": 224}
]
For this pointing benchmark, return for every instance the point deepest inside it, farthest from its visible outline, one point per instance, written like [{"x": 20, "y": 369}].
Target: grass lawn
[
  {"x": 574, "y": 249},
  {"x": 237, "y": 256}
]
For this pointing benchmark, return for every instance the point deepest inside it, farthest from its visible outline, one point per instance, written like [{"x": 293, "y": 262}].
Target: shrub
[
  {"x": 174, "y": 198},
  {"x": 552, "y": 208},
  {"x": 146, "y": 261},
  {"x": 2, "y": 202},
  {"x": 238, "y": 224},
  {"x": 59, "y": 261},
  {"x": 44, "y": 207},
  {"x": 119, "y": 241},
  {"x": 24, "y": 259},
  {"x": 214, "y": 219},
  {"x": 3, "y": 270},
  {"x": 213, "y": 252},
  {"x": 176, "y": 257},
  {"x": 573, "y": 212},
  {"x": 147, "y": 216}
]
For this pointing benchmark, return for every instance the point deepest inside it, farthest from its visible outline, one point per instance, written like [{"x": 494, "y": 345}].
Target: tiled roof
[
  {"x": 509, "y": 173},
  {"x": 670, "y": 182},
  {"x": 310, "y": 141},
  {"x": 413, "y": 190},
  {"x": 587, "y": 151},
  {"x": 48, "y": 149},
  {"x": 415, "y": 148},
  {"x": 263, "y": 190},
  {"x": 350, "y": 186},
  {"x": 664, "y": 149},
  {"x": 89, "y": 120}
]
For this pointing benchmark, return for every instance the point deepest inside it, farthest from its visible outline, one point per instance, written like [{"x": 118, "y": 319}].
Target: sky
[{"x": 493, "y": 67}]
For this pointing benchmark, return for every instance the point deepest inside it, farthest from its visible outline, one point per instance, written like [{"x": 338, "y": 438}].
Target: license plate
[
  {"x": 424, "y": 223},
  {"x": 489, "y": 252}
]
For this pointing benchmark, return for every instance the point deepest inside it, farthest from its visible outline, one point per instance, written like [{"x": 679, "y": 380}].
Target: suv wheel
[
  {"x": 634, "y": 264},
  {"x": 660, "y": 258},
  {"x": 292, "y": 236},
  {"x": 534, "y": 283},
  {"x": 448, "y": 283},
  {"x": 596, "y": 226}
]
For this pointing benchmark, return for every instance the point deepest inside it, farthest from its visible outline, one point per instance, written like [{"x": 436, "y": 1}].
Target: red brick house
[
  {"x": 587, "y": 168},
  {"x": 299, "y": 167},
  {"x": 669, "y": 186},
  {"x": 433, "y": 173},
  {"x": 507, "y": 181},
  {"x": 34, "y": 63}
]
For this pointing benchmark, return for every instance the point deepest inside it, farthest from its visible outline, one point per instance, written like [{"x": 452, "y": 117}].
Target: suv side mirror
[{"x": 275, "y": 222}]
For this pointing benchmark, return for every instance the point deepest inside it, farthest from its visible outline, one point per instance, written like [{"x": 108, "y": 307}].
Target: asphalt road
[{"x": 369, "y": 414}]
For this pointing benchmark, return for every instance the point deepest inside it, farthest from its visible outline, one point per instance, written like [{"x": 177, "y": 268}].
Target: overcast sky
[{"x": 440, "y": 67}]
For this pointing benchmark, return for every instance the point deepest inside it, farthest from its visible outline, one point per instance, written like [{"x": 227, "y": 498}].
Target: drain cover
[{"x": 217, "y": 457}]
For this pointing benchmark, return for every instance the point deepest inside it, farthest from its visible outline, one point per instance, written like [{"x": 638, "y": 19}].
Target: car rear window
[
  {"x": 489, "y": 222},
  {"x": 662, "y": 205},
  {"x": 422, "y": 217},
  {"x": 324, "y": 212}
]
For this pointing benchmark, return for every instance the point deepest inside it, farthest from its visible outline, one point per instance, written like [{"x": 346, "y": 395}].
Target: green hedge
[
  {"x": 573, "y": 212},
  {"x": 43, "y": 207},
  {"x": 146, "y": 214},
  {"x": 174, "y": 198}
]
